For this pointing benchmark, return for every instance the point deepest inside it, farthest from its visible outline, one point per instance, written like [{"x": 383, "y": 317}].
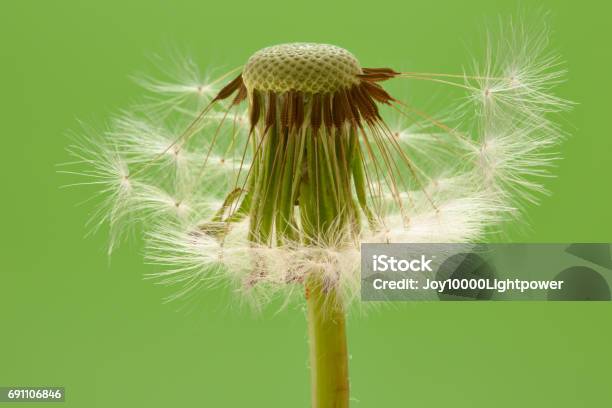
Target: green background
[{"x": 70, "y": 317}]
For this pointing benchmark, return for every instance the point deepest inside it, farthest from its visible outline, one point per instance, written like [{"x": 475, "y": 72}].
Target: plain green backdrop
[{"x": 71, "y": 317}]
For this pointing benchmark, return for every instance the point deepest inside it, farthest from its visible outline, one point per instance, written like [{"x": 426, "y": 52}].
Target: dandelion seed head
[{"x": 258, "y": 197}]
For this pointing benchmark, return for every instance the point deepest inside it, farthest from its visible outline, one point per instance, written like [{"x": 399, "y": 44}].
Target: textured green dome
[{"x": 304, "y": 67}]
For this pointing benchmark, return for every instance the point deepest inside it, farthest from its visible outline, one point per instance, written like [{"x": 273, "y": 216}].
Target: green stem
[{"x": 328, "y": 347}]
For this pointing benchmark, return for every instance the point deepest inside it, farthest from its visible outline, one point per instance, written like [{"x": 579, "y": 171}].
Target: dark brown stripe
[
  {"x": 367, "y": 107},
  {"x": 377, "y": 74},
  {"x": 271, "y": 111},
  {"x": 377, "y": 92},
  {"x": 315, "y": 112},
  {"x": 352, "y": 111},
  {"x": 241, "y": 95},
  {"x": 229, "y": 88},
  {"x": 285, "y": 110},
  {"x": 328, "y": 118},
  {"x": 255, "y": 109},
  {"x": 290, "y": 109},
  {"x": 298, "y": 109},
  {"x": 338, "y": 110}
]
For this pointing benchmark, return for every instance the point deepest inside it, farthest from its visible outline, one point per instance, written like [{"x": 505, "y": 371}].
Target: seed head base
[{"x": 318, "y": 85}]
